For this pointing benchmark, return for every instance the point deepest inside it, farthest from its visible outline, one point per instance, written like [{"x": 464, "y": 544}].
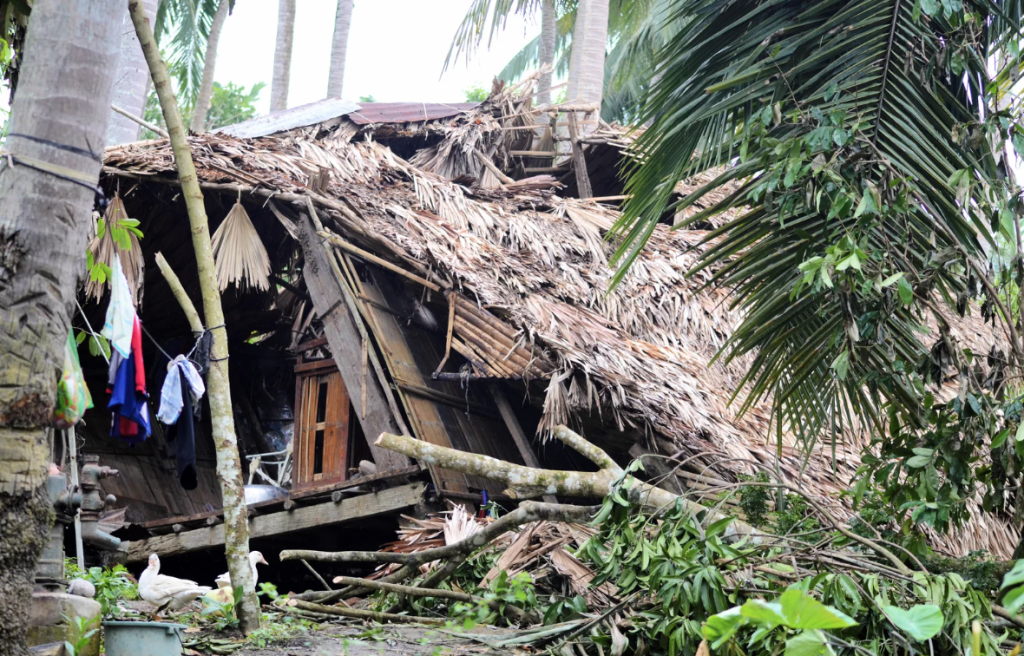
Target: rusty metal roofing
[
  {"x": 406, "y": 112},
  {"x": 289, "y": 119}
]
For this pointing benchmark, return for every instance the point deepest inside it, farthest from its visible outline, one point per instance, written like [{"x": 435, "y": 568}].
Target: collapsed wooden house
[{"x": 426, "y": 282}]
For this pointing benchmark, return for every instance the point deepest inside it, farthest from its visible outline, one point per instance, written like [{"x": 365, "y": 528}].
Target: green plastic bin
[{"x": 142, "y": 638}]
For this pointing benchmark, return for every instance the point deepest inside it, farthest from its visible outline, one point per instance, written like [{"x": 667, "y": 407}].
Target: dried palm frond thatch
[
  {"x": 239, "y": 253},
  {"x": 638, "y": 358},
  {"x": 103, "y": 247}
]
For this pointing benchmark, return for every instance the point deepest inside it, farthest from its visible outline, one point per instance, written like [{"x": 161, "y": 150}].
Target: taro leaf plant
[{"x": 863, "y": 146}]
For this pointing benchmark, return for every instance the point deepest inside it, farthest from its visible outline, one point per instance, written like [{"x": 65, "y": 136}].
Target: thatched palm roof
[{"x": 637, "y": 358}]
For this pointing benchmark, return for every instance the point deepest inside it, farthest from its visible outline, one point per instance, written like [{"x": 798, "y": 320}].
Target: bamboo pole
[{"x": 229, "y": 468}]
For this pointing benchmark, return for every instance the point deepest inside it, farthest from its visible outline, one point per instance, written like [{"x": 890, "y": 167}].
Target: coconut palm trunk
[
  {"x": 548, "y": 27},
  {"x": 339, "y": 48},
  {"x": 282, "y": 55},
  {"x": 131, "y": 82},
  {"x": 589, "y": 41},
  {"x": 229, "y": 469},
  {"x": 198, "y": 124},
  {"x": 59, "y": 119}
]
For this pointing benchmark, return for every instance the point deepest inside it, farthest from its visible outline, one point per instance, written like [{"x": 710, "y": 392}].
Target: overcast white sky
[{"x": 396, "y": 49}]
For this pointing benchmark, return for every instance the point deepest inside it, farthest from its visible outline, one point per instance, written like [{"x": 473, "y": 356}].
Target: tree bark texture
[
  {"x": 282, "y": 55},
  {"x": 339, "y": 48},
  {"x": 131, "y": 82},
  {"x": 586, "y": 65},
  {"x": 24, "y": 528},
  {"x": 198, "y": 124},
  {"x": 528, "y": 482},
  {"x": 548, "y": 28},
  {"x": 229, "y": 469},
  {"x": 58, "y": 123}
]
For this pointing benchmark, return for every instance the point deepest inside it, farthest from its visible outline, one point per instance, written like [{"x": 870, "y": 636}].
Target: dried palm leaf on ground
[
  {"x": 434, "y": 531},
  {"x": 239, "y": 253},
  {"x": 103, "y": 247}
]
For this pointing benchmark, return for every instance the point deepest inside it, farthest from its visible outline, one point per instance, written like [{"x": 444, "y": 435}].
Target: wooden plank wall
[
  {"x": 412, "y": 353},
  {"x": 147, "y": 482}
]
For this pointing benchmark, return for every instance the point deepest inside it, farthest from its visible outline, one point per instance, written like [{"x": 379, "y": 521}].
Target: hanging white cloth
[
  {"x": 117, "y": 326},
  {"x": 172, "y": 396}
]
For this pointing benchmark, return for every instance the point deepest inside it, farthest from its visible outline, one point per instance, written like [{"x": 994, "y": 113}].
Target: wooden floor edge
[{"x": 301, "y": 518}]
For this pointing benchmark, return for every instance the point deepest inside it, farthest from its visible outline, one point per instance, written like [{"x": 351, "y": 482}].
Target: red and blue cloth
[{"x": 128, "y": 398}]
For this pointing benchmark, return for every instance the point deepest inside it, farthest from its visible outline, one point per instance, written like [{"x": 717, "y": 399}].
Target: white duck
[
  {"x": 167, "y": 591},
  {"x": 224, "y": 593}
]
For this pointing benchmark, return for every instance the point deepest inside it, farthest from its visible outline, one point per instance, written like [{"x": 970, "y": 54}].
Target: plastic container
[{"x": 142, "y": 638}]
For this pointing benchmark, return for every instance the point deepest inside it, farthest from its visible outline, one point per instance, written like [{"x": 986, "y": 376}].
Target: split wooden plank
[
  {"x": 386, "y": 501},
  {"x": 422, "y": 412},
  {"x": 346, "y": 342}
]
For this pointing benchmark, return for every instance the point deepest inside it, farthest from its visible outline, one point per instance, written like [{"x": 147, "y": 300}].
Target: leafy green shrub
[{"x": 112, "y": 585}]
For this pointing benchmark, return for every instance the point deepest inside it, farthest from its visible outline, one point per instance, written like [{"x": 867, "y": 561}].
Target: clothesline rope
[
  {"x": 155, "y": 343},
  {"x": 92, "y": 333}
]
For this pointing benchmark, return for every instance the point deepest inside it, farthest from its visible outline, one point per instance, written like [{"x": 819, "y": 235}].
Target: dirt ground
[{"x": 365, "y": 639}]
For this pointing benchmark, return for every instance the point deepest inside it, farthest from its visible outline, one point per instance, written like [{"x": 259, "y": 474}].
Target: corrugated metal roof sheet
[
  {"x": 406, "y": 112},
  {"x": 289, "y": 119}
]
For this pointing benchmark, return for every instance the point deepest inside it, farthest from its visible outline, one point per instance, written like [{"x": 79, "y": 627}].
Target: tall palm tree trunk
[
  {"x": 131, "y": 84},
  {"x": 576, "y": 56},
  {"x": 59, "y": 119},
  {"x": 198, "y": 124},
  {"x": 282, "y": 55},
  {"x": 548, "y": 28},
  {"x": 589, "y": 59},
  {"x": 229, "y": 469},
  {"x": 339, "y": 48}
]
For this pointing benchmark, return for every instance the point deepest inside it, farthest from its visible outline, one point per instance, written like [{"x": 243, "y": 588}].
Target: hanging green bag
[{"x": 73, "y": 397}]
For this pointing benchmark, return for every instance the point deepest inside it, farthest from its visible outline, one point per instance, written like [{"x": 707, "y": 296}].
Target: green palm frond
[
  {"x": 485, "y": 17},
  {"x": 528, "y": 59},
  {"x": 855, "y": 132},
  {"x": 186, "y": 23}
]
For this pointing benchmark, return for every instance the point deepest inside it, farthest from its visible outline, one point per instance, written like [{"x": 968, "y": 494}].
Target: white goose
[
  {"x": 167, "y": 591},
  {"x": 224, "y": 593}
]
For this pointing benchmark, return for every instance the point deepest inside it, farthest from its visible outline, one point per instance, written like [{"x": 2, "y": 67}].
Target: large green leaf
[
  {"x": 802, "y": 611},
  {"x": 1016, "y": 575},
  {"x": 763, "y": 612},
  {"x": 807, "y": 643},
  {"x": 921, "y": 622}
]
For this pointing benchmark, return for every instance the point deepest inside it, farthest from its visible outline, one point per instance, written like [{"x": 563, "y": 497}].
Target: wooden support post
[{"x": 579, "y": 162}]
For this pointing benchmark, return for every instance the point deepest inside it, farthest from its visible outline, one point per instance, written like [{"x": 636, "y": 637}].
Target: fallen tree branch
[
  {"x": 516, "y": 613},
  {"x": 529, "y": 511},
  {"x": 318, "y": 577},
  {"x": 400, "y": 574},
  {"x": 526, "y": 482},
  {"x": 999, "y": 611},
  {"x": 364, "y": 614}
]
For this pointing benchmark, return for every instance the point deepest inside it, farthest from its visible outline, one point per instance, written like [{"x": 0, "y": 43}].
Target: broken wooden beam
[
  {"x": 346, "y": 333},
  {"x": 390, "y": 500}
]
